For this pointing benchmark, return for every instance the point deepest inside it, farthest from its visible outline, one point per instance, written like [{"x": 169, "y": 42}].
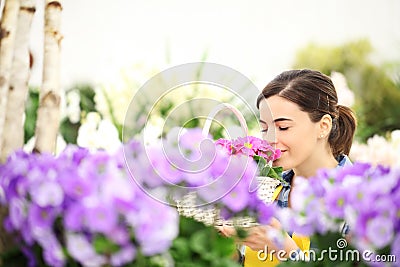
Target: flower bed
[
  {"x": 96, "y": 208},
  {"x": 82, "y": 207}
]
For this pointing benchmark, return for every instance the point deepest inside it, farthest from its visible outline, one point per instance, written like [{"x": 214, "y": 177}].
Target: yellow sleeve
[
  {"x": 255, "y": 259},
  {"x": 277, "y": 191},
  {"x": 303, "y": 242},
  {"x": 260, "y": 259}
]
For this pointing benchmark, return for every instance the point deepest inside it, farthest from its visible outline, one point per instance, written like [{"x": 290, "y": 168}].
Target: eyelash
[{"x": 280, "y": 128}]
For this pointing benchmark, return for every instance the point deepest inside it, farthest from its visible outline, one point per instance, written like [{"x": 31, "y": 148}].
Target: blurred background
[
  {"x": 111, "y": 48},
  {"x": 257, "y": 38}
]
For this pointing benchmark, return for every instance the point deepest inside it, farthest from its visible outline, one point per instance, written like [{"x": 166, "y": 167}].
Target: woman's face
[{"x": 290, "y": 130}]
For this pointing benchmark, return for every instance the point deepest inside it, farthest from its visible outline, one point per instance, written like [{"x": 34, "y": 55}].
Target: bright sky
[{"x": 257, "y": 38}]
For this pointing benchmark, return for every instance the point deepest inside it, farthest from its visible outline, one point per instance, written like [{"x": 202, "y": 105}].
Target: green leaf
[
  {"x": 187, "y": 226},
  {"x": 272, "y": 173},
  {"x": 200, "y": 245},
  {"x": 241, "y": 233},
  {"x": 103, "y": 245},
  {"x": 224, "y": 246},
  {"x": 31, "y": 107},
  {"x": 86, "y": 94},
  {"x": 278, "y": 170},
  {"x": 199, "y": 241},
  {"x": 325, "y": 241},
  {"x": 224, "y": 262},
  {"x": 265, "y": 171},
  {"x": 69, "y": 131},
  {"x": 13, "y": 257},
  {"x": 180, "y": 248}
]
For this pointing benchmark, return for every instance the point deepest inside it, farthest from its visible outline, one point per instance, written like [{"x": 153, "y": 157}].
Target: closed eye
[
  {"x": 264, "y": 130},
  {"x": 283, "y": 128}
]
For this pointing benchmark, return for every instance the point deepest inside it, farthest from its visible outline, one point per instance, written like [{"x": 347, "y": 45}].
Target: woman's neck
[{"x": 312, "y": 165}]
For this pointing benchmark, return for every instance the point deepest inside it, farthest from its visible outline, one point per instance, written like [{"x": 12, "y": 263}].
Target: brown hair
[{"x": 315, "y": 94}]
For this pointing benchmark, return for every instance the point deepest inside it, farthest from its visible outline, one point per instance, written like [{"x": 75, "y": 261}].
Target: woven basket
[{"x": 266, "y": 189}]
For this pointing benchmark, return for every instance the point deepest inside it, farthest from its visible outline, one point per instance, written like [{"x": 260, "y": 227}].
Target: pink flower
[
  {"x": 251, "y": 146},
  {"x": 225, "y": 143}
]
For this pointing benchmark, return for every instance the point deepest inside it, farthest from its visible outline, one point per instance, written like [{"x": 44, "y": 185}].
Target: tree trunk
[
  {"x": 8, "y": 31},
  {"x": 13, "y": 135},
  {"x": 47, "y": 123},
  {"x": 8, "y": 28}
]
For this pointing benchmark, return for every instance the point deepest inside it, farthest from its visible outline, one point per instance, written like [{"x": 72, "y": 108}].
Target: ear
[{"x": 325, "y": 125}]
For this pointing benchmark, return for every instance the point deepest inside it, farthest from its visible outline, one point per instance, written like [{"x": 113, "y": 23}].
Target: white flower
[
  {"x": 153, "y": 129},
  {"x": 73, "y": 110},
  {"x": 378, "y": 150},
  {"x": 87, "y": 131},
  {"x": 108, "y": 136},
  {"x": 395, "y": 141},
  {"x": 96, "y": 133}
]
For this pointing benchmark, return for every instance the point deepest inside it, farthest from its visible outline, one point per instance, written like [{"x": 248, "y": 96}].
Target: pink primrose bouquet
[{"x": 260, "y": 150}]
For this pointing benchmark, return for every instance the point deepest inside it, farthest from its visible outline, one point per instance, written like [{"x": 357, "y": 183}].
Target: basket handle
[{"x": 222, "y": 106}]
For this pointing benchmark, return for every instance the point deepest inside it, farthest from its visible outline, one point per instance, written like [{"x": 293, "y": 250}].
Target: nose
[{"x": 270, "y": 136}]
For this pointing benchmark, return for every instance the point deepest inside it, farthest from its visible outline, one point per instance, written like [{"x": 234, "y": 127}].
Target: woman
[{"x": 300, "y": 115}]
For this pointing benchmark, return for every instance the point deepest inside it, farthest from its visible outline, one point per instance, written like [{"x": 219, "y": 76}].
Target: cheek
[
  {"x": 288, "y": 140},
  {"x": 299, "y": 146}
]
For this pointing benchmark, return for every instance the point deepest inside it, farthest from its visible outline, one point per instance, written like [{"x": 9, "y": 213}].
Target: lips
[{"x": 281, "y": 154}]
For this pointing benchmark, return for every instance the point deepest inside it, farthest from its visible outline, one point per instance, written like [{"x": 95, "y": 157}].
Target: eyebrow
[
  {"x": 282, "y": 119},
  {"x": 276, "y": 120}
]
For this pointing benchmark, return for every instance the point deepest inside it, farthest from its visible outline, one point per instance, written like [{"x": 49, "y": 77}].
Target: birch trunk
[
  {"x": 47, "y": 123},
  {"x": 13, "y": 135},
  {"x": 8, "y": 28}
]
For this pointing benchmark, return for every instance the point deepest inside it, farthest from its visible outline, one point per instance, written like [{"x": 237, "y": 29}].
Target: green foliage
[
  {"x": 348, "y": 56},
  {"x": 13, "y": 258},
  {"x": 377, "y": 94},
  {"x": 201, "y": 245},
  {"x": 103, "y": 245},
  {"x": 31, "y": 107},
  {"x": 197, "y": 245},
  {"x": 68, "y": 129},
  {"x": 86, "y": 93}
]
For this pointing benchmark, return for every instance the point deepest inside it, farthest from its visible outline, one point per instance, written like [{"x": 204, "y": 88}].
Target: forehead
[{"x": 276, "y": 107}]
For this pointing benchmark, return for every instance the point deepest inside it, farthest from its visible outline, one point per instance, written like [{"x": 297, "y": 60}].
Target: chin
[
  {"x": 277, "y": 163},
  {"x": 280, "y": 163}
]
